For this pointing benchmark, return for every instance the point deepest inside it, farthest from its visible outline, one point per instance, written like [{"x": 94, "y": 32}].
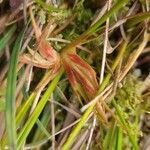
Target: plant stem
[
  {"x": 34, "y": 116},
  {"x": 82, "y": 122},
  {"x": 93, "y": 29},
  {"x": 77, "y": 129},
  {"x": 10, "y": 94},
  {"x": 115, "y": 64}
]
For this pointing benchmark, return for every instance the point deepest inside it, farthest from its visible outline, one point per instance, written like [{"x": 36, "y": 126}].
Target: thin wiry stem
[
  {"x": 32, "y": 146},
  {"x": 22, "y": 79},
  {"x": 105, "y": 46},
  {"x": 36, "y": 29},
  {"x": 102, "y": 95},
  {"x": 72, "y": 111},
  {"x": 29, "y": 79},
  {"x": 101, "y": 13},
  {"x": 147, "y": 5},
  {"x": 133, "y": 56},
  {"x": 67, "y": 41},
  {"x": 91, "y": 133},
  {"x": 80, "y": 140},
  {"x": 25, "y": 10},
  {"x": 131, "y": 10},
  {"x": 131, "y": 60},
  {"x": 53, "y": 123}
]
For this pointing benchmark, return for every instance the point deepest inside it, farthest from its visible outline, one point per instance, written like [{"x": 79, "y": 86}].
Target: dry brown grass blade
[{"x": 134, "y": 55}]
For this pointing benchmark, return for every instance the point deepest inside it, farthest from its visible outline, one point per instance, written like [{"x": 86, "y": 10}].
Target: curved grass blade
[
  {"x": 82, "y": 122},
  {"x": 4, "y": 40},
  {"x": 119, "y": 139},
  {"x": 130, "y": 133},
  {"x": 34, "y": 116},
  {"x": 77, "y": 128},
  {"x": 133, "y": 20},
  {"x": 10, "y": 93},
  {"x": 94, "y": 28},
  {"x": 20, "y": 115},
  {"x": 113, "y": 10},
  {"x": 109, "y": 138},
  {"x": 24, "y": 108},
  {"x": 44, "y": 120}
]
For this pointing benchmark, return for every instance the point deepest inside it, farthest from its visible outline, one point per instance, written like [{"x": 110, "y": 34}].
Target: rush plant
[{"x": 68, "y": 89}]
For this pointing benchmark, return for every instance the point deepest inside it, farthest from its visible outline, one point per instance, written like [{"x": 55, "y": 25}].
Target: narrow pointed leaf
[
  {"x": 33, "y": 118},
  {"x": 113, "y": 10},
  {"x": 4, "y": 40},
  {"x": 133, "y": 20},
  {"x": 10, "y": 93}
]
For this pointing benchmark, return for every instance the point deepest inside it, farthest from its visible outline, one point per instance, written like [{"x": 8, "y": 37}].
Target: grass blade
[
  {"x": 95, "y": 27},
  {"x": 10, "y": 94},
  {"x": 133, "y": 20},
  {"x": 21, "y": 112},
  {"x": 119, "y": 140},
  {"x": 24, "y": 108},
  {"x": 113, "y": 10},
  {"x": 44, "y": 120},
  {"x": 77, "y": 129},
  {"x": 33, "y": 118},
  {"x": 109, "y": 138},
  {"x": 123, "y": 121},
  {"x": 4, "y": 40}
]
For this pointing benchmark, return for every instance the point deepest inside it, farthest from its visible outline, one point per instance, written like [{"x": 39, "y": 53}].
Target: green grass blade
[
  {"x": 21, "y": 112},
  {"x": 44, "y": 120},
  {"x": 42, "y": 128},
  {"x": 4, "y": 40},
  {"x": 10, "y": 93},
  {"x": 24, "y": 108},
  {"x": 133, "y": 20},
  {"x": 109, "y": 138},
  {"x": 94, "y": 28},
  {"x": 119, "y": 139},
  {"x": 34, "y": 116},
  {"x": 130, "y": 133},
  {"x": 77, "y": 129},
  {"x": 113, "y": 10}
]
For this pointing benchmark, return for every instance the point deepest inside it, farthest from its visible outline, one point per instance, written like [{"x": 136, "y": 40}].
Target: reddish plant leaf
[
  {"x": 47, "y": 52},
  {"x": 85, "y": 84},
  {"x": 70, "y": 76},
  {"x": 85, "y": 68},
  {"x": 45, "y": 49},
  {"x": 80, "y": 74}
]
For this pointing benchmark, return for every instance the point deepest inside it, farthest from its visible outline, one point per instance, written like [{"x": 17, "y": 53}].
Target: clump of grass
[{"x": 76, "y": 101}]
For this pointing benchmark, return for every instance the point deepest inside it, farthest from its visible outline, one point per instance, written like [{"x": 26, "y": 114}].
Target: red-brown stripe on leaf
[
  {"x": 46, "y": 50},
  {"x": 70, "y": 74},
  {"x": 85, "y": 67},
  {"x": 85, "y": 83}
]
